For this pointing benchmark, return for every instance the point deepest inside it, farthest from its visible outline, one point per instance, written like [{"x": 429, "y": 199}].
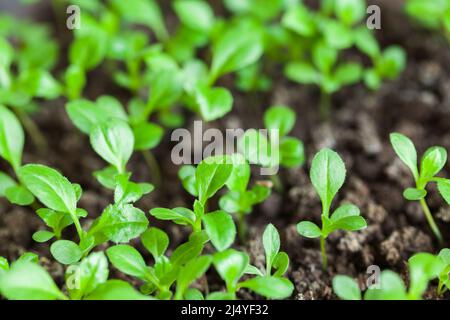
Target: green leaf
[
  {"x": 11, "y": 138},
  {"x": 147, "y": 136},
  {"x": 392, "y": 62},
  {"x": 211, "y": 175},
  {"x": 129, "y": 192},
  {"x": 189, "y": 250},
  {"x": 352, "y": 223},
  {"x": 155, "y": 241},
  {"x": 279, "y": 118},
  {"x": 271, "y": 244},
  {"x": 256, "y": 148},
  {"x": 146, "y": 13},
  {"x": 195, "y": 14},
  {"x": 308, "y": 229},
  {"x": 193, "y": 294},
  {"x": 338, "y": 36},
  {"x": 19, "y": 195},
  {"x": 213, "y": 103},
  {"x": 292, "y": 152},
  {"x": 346, "y": 288},
  {"x": 6, "y": 182},
  {"x": 300, "y": 20},
  {"x": 240, "y": 175},
  {"x": 120, "y": 224},
  {"x": 107, "y": 177},
  {"x": 42, "y": 236},
  {"x": 345, "y": 211},
  {"x": 366, "y": 42},
  {"x": 406, "y": 151},
  {"x": 220, "y": 296},
  {"x": 178, "y": 215},
  {"x": 414, "y": 194},
  {"x": 193, "y": 270},
  {"x": 220, "y": 228},
  {"x": 66, "y": 252},
  {"x": 128, "y": 260},
  {"x": 114, "y": 142},
  {"x": 392, "y": 288},
  {"x": 235, "y": 49},
  {"x": 116, "y": 290},
  {"x": 350, "y": 11},
  {"x": 348, "y": 73},
  {"x": 281, "y": 264},
  {"x": 302, "y": 73},
  {"x": 433, "y": 160},
  {"x": 231, "y": 265},
  {"x": 86, "y": 115},
  {"x": 423, "y": 267},
  {"x": 90, "y": 273},
  {"x": 28, "y": 281},
  {"x": 50, "y": 187},
  {"x": 324, "y": 57},
  {"x": 4, "y": 265},
  {"x": 444, "y": 189},
  {"x": 327, "y": 176},
  {"x": 269, "y": 287},
  {"x": 187, "y": 177}
]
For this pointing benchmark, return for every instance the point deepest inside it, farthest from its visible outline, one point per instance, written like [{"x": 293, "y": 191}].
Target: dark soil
[{"x": 417, "y": 104}]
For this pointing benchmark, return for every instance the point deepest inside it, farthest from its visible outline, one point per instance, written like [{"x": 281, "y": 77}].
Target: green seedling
[
  {"x": 338, "y": 26},
  {"x": 120, "y": 222},
  {"x": 328, "y": 176},
  {"x": 232, "y": 265},
  {"x": 423, "y": 267},
  {"x": 184, "y": 266},
  {"x": 11, "y": 148},
  {"x": 240, "y": 200},
  {"x": 106, "y": 117},
  {"x": 204, "y": 182},
  {"x": 433, "y": 160},
  {"x": 276, "y": 149},
  {"x": 432, "y": 14},
  {"x": 25, "y": 72},
  {"x": 25, "y": 279}
]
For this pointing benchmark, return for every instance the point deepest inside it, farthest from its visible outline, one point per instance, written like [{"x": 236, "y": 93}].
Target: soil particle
[{"x": 403, "y": 243}]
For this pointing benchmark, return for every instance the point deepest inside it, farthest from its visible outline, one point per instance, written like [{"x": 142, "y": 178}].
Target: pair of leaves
[{"x": 433, "y": 160}]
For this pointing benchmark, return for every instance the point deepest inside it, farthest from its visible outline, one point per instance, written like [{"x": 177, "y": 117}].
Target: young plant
[
  {"x": 232, "y": 265},
  {"x": 433, "y": 160},
  {"x": 203, "y": 182},
  {"x": 183, "y": 267},
  {"x": 423, "y": 267},
  {"x": 119, "y": 222},
  {"x": 277, "y": 148},
  {"x": 239, "y": 200},
  {"x": 432, "y": 14},
  {"x": 327, "y": 176},
  {"x": 108, "y": 113},
  {"x": 11, "y": 148},
  {"x": 338, "y": 26},
  {"x": 25, "y": 279}
]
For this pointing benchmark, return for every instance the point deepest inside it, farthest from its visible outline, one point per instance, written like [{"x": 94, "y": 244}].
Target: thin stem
[
  {"x": 152, "y": 164},
  {"x": 325, "y": 105},
  {"x": 242, "y": 225},
  {"x": 430, "y": 220},
  {"x": 324, "y": 253},
  {"x": 77, "y": 224},
  {"x": 277, "y": 184},
  {"x": 33, "y": 131}
]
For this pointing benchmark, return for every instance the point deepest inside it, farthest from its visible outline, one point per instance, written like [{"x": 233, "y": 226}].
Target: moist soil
[{"x": 417, "y": 104}]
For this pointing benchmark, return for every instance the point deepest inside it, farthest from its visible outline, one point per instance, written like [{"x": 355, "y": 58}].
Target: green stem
[
  {"x": 325, "y": 105},
  {"x": 430, "y": 220},
  {"x": 324, "y": 253},
  {"x": 77, "y": 224},
  {"x": 242, "y": 225},
  {"x": 33, "y": 131},
  {"x": 152, "y": 164},
  {"x": 277, "y": 184}
]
